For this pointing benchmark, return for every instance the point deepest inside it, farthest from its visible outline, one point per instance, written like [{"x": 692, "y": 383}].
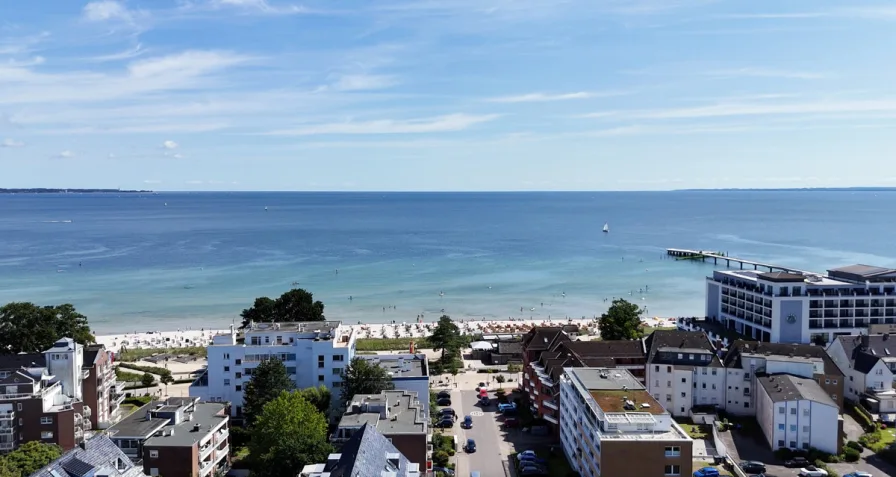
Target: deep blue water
[{"x": 202, "y": 258}]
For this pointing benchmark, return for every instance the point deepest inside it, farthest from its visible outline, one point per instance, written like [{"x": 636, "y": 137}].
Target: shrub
[
  {"x": 451, "y": 452},
  {"x": 783, "y": 453},
  {"x": 854, "y": 445},
  {"x": 146, "y": 369},
  {"x": 851, "y": 455},
  {"x": 440, "y": 458},
  {"x": 514, "y": 368}
]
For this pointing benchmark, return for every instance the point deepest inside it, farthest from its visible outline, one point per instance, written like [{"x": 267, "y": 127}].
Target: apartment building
[
  {"x": 784, "y": 307},
  {"x": 367, "y": 453},
  {"x": 178, "y": 437},
  {"x": 612, "y": 426},
  {"x": 870, "y": 365},
  {"x": 541, "y": 379},
  {"x": 746, "y": 360},
  {"x": 797, "y": 413},
  {"x": 56, "y": 396},
  {"x": 683, "y": 370},
  {"x": 315, "y": 353},
  {"x": 97, "y": 456},
  {"x": 409, "y": 372},
  {"x": 397, "y": 415}
]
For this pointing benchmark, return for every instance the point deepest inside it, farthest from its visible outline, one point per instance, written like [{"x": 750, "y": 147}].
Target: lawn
[
  {"x": 390, "y": 344},
  {"x": 696, "y": 431}
]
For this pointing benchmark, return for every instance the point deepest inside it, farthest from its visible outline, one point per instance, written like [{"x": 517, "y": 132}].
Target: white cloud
[
  {"x": 832, "y": 109},
  {"x": 363, "y": 82},
  {"x": 451, "y": 122},
  {"x": 152, "y": 181},
  {"x": 105, "y": 10},
  {"x": 169, "y": 144},
  {"x": 545, "y": 97},
  {"x": 65, "y": 154},
  {"x": 11, "y": 143},
  {"x": 186, "y": 64},
  {"x": 259, "y": 6},
  {"x": 122, "y": 55},
  {"x": 766, "y": 73},
  {"x": 21, "y": 45}
]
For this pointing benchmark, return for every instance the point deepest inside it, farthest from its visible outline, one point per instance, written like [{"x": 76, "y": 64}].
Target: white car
[{"x": 812, "y": 471}]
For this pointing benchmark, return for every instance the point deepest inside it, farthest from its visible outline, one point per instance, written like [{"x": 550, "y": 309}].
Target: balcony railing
[
  {"x": 8, "y": 416},
  {"x": 7, "y": 430},
  {"x": 7, "y": 446},
  {"x": 551, "y": 404}
]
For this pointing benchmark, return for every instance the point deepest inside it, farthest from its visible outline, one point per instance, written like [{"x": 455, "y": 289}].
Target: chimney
[
  {"x": 83, "y": 444},
  {"x": 865, "y": 341}
]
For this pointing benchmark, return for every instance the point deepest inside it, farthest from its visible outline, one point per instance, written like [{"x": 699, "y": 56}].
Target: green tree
[
  {"x": 500, "y": 379},
  {"x": 28, "y": 328},
  {"x": 166, "y": 379},
  {"x": 28, "y": 458},
  {"x": 147, "y": 380},
  {"x": 269, "y": 379},
  {"x": 363, "y": 377},
  {"x": 295, "y": 305},
  {"x": 288, "y": 434},
  {"x": 320, "y": 396},
  {"x": 621, "y": 322},
  {"x": 446, "y": 337}
]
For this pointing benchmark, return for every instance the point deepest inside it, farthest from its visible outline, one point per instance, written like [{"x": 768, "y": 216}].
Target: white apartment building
[
  {"x": 784, "y": 307},
  {"x": 746, "y": 359},
  {"x": 796, "y": 413},
  {"x": 611, "y": 425},
  {"x": 683, "y": 370},
  {"x": 869, "y": 362},
  {"x": 315, "y": 353}
]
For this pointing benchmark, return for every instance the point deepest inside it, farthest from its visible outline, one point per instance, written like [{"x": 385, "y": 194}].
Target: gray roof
[
  {"x": 616, "y": 379},
  {"x": 742, "y": 347},
  {"x": 664, "y": 346},
  {"x": 781, "y": 277},
  {"x": 97, "y": 453},
  {"x": 862, "y": 271},
  {"x": 61, "y": 345},
  {"x": 367, "y": 454},
  {"x": 510, "y": 347},
  {"x": 24, "y": 360},
  {"x": 403, "y": 406},
  {"x": 299, "y": 326},
  {"x": 140, "y": 425},
  {"x": 402, "y": 365},
  {"x": 206, "y": 415},
  {"x": 786, "y": 387}
]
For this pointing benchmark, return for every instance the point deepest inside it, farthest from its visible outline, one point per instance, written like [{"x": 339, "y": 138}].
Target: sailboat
[{"x": 606, "y": 227}]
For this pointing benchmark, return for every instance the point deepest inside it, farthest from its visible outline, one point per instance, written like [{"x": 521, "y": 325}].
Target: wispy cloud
[
  {"x": 448, "y": 123},
  {"x": 11, "y": 143},
  {"x": 258, "y": 6},
  {"x": 766, "y": 73},
  {"x": 22, "y": 45},
  {"x": 721, "y": 110},
  {"x": 65, "y": 155},
  {"x": 547, "y": 97},
  {"x": 361, "y": 82},
  {"x": 169, "y": 144},
  {"x": 128, "y": 54}
]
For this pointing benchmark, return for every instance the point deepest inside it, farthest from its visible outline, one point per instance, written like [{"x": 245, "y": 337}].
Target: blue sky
[{"x": 447, "y": 94}]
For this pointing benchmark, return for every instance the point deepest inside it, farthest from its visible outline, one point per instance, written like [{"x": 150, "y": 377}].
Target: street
[{"x": 489, "y": 457}]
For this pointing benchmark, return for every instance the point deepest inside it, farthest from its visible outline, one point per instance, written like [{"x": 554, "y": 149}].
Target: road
[{"x": 488, "y": 458}]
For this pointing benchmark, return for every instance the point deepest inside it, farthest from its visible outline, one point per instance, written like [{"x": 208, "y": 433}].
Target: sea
[{"x": 166, "y": 261}]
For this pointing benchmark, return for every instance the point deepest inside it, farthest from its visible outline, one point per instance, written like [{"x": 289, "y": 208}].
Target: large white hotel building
[{"x": 783, "y": 307}]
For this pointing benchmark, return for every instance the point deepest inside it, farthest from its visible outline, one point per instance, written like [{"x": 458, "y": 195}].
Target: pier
[{"x": 716, "y": 257}]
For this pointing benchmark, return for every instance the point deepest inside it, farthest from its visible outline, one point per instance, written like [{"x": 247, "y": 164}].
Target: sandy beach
[{"x": 202, "y": 337}]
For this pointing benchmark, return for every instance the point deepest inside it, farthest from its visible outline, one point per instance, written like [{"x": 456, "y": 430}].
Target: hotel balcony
[
  {"x": 8, "y": 416},
  {"x": 7, "y": 446},
  {"x": 551, "y": 419},
  {"x": 551, "y": 404},
  {"x": 9, "y": 430}
]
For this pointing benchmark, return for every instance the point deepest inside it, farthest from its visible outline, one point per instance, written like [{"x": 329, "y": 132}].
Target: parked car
[
  {"x": 444, "y": 423},
  {"x": 532, "y": 458},
  {"x": 812, "y": 471},
  {"x": 447, "y": 412},
  {"x": 796, "y": 462},
  {"x": 470, "y": 447},
  {"x": 468, "y": 422},
  {"x": 532, "y": 472},
  {"x": 511, "y": 422},
  {"x": 443, "y": 470},
  {"x": 858, "y": 473},
  {"x": 510, "y": 412},
  {"x": 528, "y": 466},
  {"x": 752, "y": 466},
  {"x": 443, "y": 394},
  {"x": 707, "y": 472},
  {"x": 526, "y": 453},
  {"x": 444, "y": 402},
  {"x": 505, "y": 407}
]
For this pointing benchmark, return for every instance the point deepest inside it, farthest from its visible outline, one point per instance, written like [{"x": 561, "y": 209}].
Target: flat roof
[
  {"x": 863, "y": 271},
  {"x": 785, "y": 387},
  {"x": 782, "y": 277},
  {"x": 615, "y": 401},
  {"x": 300, "y": 326},
  {"x": 137, "y": 425},
  {"x": 404, "y": 365},
  {"x": 606, "y": 379},
  {"x": 403, "y": 406},
  {"x": 208, "y": 415}
]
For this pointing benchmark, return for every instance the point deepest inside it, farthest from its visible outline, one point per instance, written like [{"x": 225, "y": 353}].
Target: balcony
[
  {"x": 205, "y": 450},
  {"x": 86, "y": 411},
  {"x": 550, "y": 419},
  {"x": 7, "y": 430},
  {"x": 551, "y": 404},
  {"x": 221, "y": 435},
  {"x": 7, "y": 446},
  {"x": 8, "y": 416}
]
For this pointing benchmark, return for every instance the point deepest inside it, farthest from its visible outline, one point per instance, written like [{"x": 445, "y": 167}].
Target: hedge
[
  {"x": 146, "y": 369},
  {"x": 137, "y": 354}
]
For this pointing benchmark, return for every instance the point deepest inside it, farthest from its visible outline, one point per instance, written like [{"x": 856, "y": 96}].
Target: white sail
[{"x": 606, "y": 227}]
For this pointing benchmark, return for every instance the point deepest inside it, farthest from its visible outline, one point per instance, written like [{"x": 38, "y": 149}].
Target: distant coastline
[
  {"x": 797, "y": 189},
  {"x": 41, "y": 190}
]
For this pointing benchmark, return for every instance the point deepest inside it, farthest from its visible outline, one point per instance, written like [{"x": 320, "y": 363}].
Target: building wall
[
  {"x": 710, "y": 386},
  {"x": 646, "y": 458},
  {"x": 63, "y": 424},
  {"x": 713, "y": 296},
  {"x": 736, "y": 400},
  {"x": 799, "y": 424},
  {"x": 796, "y": 332},
  {"x": 412, "y": 446},
  {"x": 171, "y": 461}
]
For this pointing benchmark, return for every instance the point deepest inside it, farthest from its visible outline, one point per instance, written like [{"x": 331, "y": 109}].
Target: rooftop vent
[
  {"x": 645, "y": 405},
  {"x": 196, "y": 427}
]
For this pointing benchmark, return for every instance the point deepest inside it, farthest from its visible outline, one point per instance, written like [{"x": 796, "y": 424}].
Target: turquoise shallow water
[{"x": 130, "y": 262}]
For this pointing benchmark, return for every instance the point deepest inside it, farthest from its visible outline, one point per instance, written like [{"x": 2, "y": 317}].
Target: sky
[{"x": 447, "y": 94}]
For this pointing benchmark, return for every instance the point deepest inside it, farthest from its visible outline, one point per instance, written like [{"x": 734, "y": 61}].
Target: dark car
[
  {"x": 752, "y": 466},
  {"x": 444, "y": 402},
  {"x": 471, "y": 446},
  {"x": 531, "y": 466},
  {"x": 796, "y": 462},
  {"x": 511, "y": 423},
  {"x": 449, "y": 422},
  {"x": 443, "y": 394},
  {"x": 443, "y": 470},
  {"x": 531, "y": 472},
  {"x": 447, "y": 412}
]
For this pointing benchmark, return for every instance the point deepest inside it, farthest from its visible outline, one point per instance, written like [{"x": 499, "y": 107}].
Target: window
[
  {"x": 668, "y": 384},
  {"x": 320, "y": 378},
  {"x": 657, "y": 383},
  {"x": 256, "y": 340},
  {"x": 780, "y": 443},
  {"x": 267, "y": 340},
  {"x": 683, "y": 394},
  {"x": 713, "y": 371},
  {"x": 337, "y": 384},
  {"x": 704, "y": 371},
  {"x": 684, "y": 380},
  {"x": 226, "y": 369},
  {"x": 793, "y": 411},
  {"x": 46, "y": 420},
  {"x": 227, "y": 382},
  {"x": 239, "y": 387},
  {"x": 338, "y": 357},
  {"x": 668, "y": 397},
  {"x": 320, "y": 361},
  {"x": 805, "y": 445},
  {"x": 850, "y": 378},
  {"x": 19, "y": 406},
  {"x": 337, "y": 371},
  {"x": 239, "y": 361},
  {"x": 668, "y": 369},
  {"x": 746, "y": 376},
  {"x": 793, "y": 428},
  {"x": 805, "y": 428},
  {"x": 690, "y": 356},
  {"x": 780, "y": 427},
  {"x": 656, "y": 368},
  {"x": 154, "y": 454},
  {"x": 834, "y": 397},
  {"x": 46, "y": 434},
  {"x": 226, "y": 355},
  {"x": 154, "y": 472},
  {"x": 713, "y": 386},
  {"x": 833, "y": 381},
  {"x": 673, "y": 469},
  {"x": 673, "y": 451},
  {"x": 806, "y": 412},
  {"x": 704, "y": 385},
  {"x": 746, "y": 404},
  {"x": 827, "y": 381},
  {"x": 793, "y": 444},
  {"x": 239, "y": 375},
  {"x": 680, "y": 356}
]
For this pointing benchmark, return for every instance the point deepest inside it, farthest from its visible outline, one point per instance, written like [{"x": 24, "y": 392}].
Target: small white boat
[{"x": 606, "y": 227}]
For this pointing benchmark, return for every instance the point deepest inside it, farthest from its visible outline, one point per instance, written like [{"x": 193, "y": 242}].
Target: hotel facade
[{"x": 785, "y": 307}]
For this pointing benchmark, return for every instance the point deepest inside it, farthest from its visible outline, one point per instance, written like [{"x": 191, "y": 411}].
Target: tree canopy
[
  {"x": 28, "y": 458},
  {"x": 321, "y": 397},
  {"x": 288, "y": 434},
  {"x": 268, "y": 380},
  {"x": 446, "y": 336},
  {"x": 295, "y": 305},
  {"x": 29, "y": 328},
  {"x": 363, "y": 377},
  {"x": 622, "y": 321}
]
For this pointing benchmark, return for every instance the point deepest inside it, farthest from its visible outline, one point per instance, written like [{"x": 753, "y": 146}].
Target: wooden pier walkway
[{"x": 716, "y": 257}]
